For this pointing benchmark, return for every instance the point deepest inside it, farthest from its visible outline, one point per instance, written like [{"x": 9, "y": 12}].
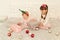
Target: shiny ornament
[
  {"x": 32, "y": 35},
  {"x": 49, "y": 31},
  {"x": 57, "y": 34},
  {"x": 36, "y": 28},
  {"x": 27, "y": 31}
]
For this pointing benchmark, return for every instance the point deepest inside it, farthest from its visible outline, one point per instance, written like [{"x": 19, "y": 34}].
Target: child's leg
[
  {"x": 42, "y": 26},
  {"x": 46, "y": 26}
]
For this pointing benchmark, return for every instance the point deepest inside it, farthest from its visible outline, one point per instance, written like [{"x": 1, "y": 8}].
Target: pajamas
[
  {"x": 16, "y": 28},
  {"x": 45, "y": 24},
  {"x": 19, "y": 28}
]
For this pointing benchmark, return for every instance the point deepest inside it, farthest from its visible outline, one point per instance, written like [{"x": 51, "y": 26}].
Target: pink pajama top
[{"x": 18, "y": 28}]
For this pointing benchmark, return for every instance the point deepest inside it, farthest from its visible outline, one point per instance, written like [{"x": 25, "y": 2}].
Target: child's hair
[
  {"x": 44, "y": 7},
  {"x": 25, "y": 13}
]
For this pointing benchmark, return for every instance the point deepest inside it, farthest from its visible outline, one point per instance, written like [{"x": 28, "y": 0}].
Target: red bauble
[
  {"x": 27, "y": 31},
  {"x": 32, "y": 35},
  {"x": 9, "y": 34}
]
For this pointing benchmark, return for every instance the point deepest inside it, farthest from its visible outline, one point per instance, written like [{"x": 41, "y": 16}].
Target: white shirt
[{"x": 46, "y": 20}]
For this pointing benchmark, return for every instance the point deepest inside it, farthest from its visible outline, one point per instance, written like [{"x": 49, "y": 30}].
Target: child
[
  {"x": 28, "y": 21},
  {"x": 44, "y": 12},
  {"x": 21, "y": 25}
]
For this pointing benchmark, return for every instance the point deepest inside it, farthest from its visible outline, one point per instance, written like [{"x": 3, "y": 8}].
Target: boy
[{"x": 21, "y": 25}]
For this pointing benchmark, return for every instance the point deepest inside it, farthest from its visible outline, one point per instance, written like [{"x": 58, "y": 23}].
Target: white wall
[{"x": 10, "y": 7}]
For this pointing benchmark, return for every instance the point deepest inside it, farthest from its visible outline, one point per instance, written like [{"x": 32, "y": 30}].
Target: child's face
[
  {"x": 44, "y": 12},
  {"x": 25, "y": 16}
]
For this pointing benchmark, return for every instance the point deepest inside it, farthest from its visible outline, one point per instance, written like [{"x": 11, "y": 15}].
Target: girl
[{"x": 43, "y": 22}]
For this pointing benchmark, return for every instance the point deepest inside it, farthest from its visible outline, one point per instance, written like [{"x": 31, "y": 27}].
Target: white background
[{"x": 10, "y": 7}]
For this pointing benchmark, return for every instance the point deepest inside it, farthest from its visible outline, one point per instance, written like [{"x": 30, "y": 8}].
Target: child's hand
[{"x": 9, "y": 34}]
